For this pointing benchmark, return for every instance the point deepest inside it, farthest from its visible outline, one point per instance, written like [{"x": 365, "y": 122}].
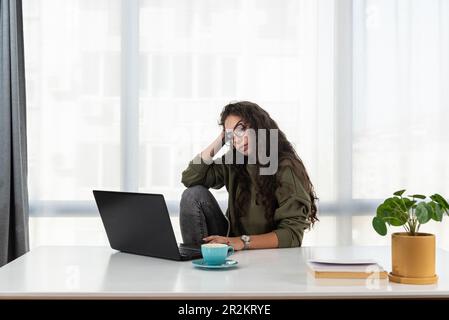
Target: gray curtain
[{"x": 14, "y": 239}]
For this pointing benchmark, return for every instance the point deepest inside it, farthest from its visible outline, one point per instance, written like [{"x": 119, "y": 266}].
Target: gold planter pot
[{"x": 413, "y": 258}]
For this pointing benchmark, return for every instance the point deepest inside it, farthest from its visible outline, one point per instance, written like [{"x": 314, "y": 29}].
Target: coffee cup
[{"x": 216, "y": 253}]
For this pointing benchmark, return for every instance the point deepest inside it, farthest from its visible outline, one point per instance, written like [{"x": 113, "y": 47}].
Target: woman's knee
[
  {"x": 194, "y": 194},
  {"x": 191, "y": 217}
]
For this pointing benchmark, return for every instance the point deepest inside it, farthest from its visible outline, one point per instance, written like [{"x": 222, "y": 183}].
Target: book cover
[{"x": 346, "y": 269}]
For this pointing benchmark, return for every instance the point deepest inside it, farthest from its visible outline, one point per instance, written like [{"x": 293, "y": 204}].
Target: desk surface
[{"x": 100, "y": 272}]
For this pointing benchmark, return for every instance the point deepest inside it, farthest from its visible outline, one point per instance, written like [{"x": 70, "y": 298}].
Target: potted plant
[{"x": 412, "y": 252}]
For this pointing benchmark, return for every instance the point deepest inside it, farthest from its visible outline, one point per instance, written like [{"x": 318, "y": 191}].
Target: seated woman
[{"x": 265, "y": 210}]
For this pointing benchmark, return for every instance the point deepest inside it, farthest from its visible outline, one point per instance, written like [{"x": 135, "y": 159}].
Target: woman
[{"x": 264, "y": 211}]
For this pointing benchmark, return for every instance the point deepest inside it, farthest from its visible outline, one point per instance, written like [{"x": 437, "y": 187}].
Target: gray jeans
[{"x": 200, "y": 216}]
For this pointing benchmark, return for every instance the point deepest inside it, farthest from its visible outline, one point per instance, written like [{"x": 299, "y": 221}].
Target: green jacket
[{"x": 290, "y": 217}]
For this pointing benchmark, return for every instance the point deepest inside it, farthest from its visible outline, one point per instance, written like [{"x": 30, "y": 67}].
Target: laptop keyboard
[{"x": 189, "y": 252}]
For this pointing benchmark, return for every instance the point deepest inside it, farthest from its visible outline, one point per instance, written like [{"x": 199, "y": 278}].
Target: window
[
  {"x": 72, "y": 52},
  {"x": 122, "y": 94},
  {"x": 401, "y": 101},
  {"x": 193, "y": 58}
]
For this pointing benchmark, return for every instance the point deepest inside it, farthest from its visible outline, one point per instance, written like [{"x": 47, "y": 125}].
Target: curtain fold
[{"x": 14, "y": 237}]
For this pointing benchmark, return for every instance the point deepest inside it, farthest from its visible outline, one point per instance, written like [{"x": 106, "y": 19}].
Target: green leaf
[
  {"x": 401, "y": 203},
  {"x": 395, "y": 204},
  {"x": 421, "y": 213},
  {"x": 430, "y": 210},
  {"x": 397, "y": 209},
  {"x": 437, "y": 212},
  {"x": 418, "y": 196},
  {"x": 379, "y": 226},
  {"x": 409, "y": 203},
  {"x": 393, "y": 211},
  {"x": 440, "y": 200},
  {"x": 383, "y": 211},
  {"x": 396, "y": 222},
  {"x": 399, "y": 193}
]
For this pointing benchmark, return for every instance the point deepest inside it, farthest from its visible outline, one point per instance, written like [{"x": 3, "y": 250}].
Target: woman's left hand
[{"x": 234, "y": 242}]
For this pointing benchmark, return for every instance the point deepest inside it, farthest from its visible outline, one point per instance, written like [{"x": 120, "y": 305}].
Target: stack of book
[{"x": 346, "y": 269}]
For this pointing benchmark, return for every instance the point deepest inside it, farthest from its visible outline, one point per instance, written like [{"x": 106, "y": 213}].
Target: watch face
[{"x": 245, "y": 238}]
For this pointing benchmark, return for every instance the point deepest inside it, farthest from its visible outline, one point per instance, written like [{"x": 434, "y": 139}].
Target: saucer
[{"x": 227, "y": 264}]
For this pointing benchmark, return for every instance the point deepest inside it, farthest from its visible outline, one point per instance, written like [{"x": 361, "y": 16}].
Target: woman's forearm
[
  {"x": 208, "y": 153},
  {"x": 264, "y": 241},
  {"x": 260, "y": 241}
]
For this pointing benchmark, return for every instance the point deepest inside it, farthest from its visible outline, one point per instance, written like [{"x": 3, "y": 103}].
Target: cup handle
[{"x": 230, "y": 251}]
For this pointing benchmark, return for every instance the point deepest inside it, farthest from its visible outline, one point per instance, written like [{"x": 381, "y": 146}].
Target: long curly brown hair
[{"x": 257, "y": 118}]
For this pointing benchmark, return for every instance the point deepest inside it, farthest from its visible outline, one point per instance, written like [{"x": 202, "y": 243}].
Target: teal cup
[{"x": 216, "y": 253}]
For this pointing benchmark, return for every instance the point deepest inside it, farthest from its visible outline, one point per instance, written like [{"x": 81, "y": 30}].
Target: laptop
[{"x": 139, "y": 223}]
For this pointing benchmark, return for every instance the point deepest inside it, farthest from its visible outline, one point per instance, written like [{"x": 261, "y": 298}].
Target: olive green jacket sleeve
[
  {"x": 200, "y": 173},
  {"x": 291, "y": 217}
]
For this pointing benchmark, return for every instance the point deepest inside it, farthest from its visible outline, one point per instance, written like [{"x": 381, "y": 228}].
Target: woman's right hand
[
  {"x": 221, "y": 137},
  {"x": 208, "y": 153}
]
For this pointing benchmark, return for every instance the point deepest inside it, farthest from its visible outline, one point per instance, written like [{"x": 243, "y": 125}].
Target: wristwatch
[{"x": 246, "y": 241}]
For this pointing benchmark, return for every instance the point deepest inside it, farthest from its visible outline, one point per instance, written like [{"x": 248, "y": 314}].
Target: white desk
[{"x": 100, "y": 272}]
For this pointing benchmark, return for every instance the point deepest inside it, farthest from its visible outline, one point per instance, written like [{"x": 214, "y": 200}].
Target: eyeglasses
[{"x": 238, "y": 131}]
